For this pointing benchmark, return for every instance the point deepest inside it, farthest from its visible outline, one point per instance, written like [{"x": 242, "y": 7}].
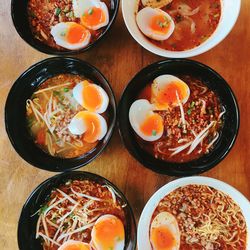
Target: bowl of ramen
[
  {"x": 180, "y": 28},
  {"x": 178, "y": 117},
  {"x": 76, "y": 210},
  {"x": 63, "y": 27},
  {"x": 195, "y": 213},
  {"x": 60, "y": 114}
]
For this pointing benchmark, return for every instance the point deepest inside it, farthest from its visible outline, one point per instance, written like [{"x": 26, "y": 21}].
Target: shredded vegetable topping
[{"x": 72, "y": 210}]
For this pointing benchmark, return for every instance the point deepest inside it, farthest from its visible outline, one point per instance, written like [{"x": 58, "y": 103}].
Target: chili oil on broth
[
  {"x": 44, "y": 14},
  {"x": 75, "y": 205},
  {"x": 195, "y": 22},
  {"x": 202, "y": 108},
  {"x": 207, "y": 218},
  {"x": 60, "y": 143}
]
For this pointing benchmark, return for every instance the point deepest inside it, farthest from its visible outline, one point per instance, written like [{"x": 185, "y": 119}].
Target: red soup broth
[{"x": 195, "y": 21}]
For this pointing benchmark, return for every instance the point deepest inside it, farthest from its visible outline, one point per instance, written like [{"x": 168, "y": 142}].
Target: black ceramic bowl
[
  {"x": 21, "y": 23},
  {"x": 27, "y": 222},
  {"x": 215, "y": 82},
  {"x": 15, "y": 112}
]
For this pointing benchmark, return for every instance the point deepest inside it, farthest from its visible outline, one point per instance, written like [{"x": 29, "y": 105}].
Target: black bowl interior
[
  {"x": 215, "y": 82},
  {"x": 21, "y": 23},
  {"x": 27, "y": 222},
  {"x": 15, "y": 112}
]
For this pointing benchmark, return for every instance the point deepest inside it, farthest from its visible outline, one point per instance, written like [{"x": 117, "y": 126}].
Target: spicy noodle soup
[
  {"x": 44, "y": 14},
  {"x": 190, "y": 129},
  {"x": 195, "y": 21},
  {"x": 205, "y": 218},
  {"x": 82, "y": 211},
  {"x": 51, "y": 110}
]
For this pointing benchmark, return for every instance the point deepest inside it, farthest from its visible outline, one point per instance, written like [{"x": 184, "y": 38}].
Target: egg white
[
  {"x": 81, "y": 6},
  {"x": 78, "y": 125},
  {"x": 165, "y": 219},
  {"x": 161, "y": 82},
  {"x": 119, "y": 245},
  {"x": 143, "y": 19},
  {"x": 78, "y": 95},
  {"x": 59, "y": 32},
  {"x": 70, "y": 242},
  {"x": 138, "y": 112}
]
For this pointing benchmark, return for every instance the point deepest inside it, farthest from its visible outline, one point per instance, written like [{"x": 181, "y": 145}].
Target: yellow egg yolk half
[
  {"x": 92, "y": 98},
  {"x": 108, "y": 232},
  {"x": 162, "y": 238},
  {"x": 76, "y": 246},
  {"x": 93, "y": 17},
  {"x": 93, "y": 126},
  {"x": 160, "y": 24},
  {"x": 168, "y": 96},
  {"x": 152, "y": 125},
  {"x": 76, "y": 33}
]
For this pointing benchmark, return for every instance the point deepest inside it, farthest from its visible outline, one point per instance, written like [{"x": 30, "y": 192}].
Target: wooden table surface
[{"x": 119, "y": 58}]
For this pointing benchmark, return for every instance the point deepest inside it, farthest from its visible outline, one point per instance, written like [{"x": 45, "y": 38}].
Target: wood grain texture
[{"x": 119, "y": 58}]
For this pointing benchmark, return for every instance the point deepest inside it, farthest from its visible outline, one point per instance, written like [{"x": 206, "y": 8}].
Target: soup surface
[
  {"x": 72, "y": 212},
  {"x": 44, "y": 14},
  {"x": 207, "y": 218},
  {"x": 202, "y": 114},
  {"x": 195, "y": 21},
  {"x": 49, "y": 113}
]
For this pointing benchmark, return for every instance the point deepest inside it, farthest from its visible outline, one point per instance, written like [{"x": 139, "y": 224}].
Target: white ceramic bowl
[
  {"x": 144, "y": 222},
  {"x": 230, "y": 13}
]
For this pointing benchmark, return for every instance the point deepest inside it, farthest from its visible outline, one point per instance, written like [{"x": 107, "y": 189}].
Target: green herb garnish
[
  {"x": 43, "y": 209},
  {"x": 66, "y": 89},
  {"x": 154, "y": 132},
  {"x": 189, "y": 111},
  {"x": 57, "y": 11},
  {"x": 192, "y": 104},
  {"x": 91, "y": 11}
]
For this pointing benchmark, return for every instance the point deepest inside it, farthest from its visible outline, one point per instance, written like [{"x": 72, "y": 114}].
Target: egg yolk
[
  {"x": 92, "y": 17},
  {"x": 160, "y": 24},
  {"x": 168, "y": 94},
  {"x": 93, "y": 126},
  {"x": 91, "y": 97},
  {"x": 152, "y": 125},
  {"x": 162, "y": 238},
  {"x": 75, "y": 246},
  {"x": 108, "y": 232},
  {"x": 76, "y": 33}
]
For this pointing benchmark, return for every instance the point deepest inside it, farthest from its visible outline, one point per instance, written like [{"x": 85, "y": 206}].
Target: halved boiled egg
[
  {"x": 164, "y": 232},
  {"x": 91, "y": 96},
  {"x": 167, "y": 91},
  {"x": 92, "y": 125},
  {"x": 74, "y": 245},
  {"x": 93, "y": 13},
  {"x": 71, "y": 35},
  {"x": 155, "y": 23},
  {"x": 147, "y": 124},
  {"x": 108, "y": 233}
]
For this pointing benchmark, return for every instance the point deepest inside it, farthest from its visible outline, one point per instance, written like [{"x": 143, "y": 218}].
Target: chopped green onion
[
  {"x": 154, "y": 132},
  {"x": 91, "y": 11},
  {"x": 43, "y": 209},
  {"x": 57, "y": 11},
  {"x": 189, "y": 111},
  {"x": 66, "y": 89},
  {"x": 192, "y": 104}
]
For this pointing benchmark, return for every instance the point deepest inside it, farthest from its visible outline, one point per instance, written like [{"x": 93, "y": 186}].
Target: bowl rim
[
  {"x": 83, "y": 174},
  {"x": 185, "y": 53},
  {"x": 154, "y": 200},
  {"x": 166, "y": 171},
  {"x": 52, "y": 51},
  {"x": 111, "y": 127}
]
